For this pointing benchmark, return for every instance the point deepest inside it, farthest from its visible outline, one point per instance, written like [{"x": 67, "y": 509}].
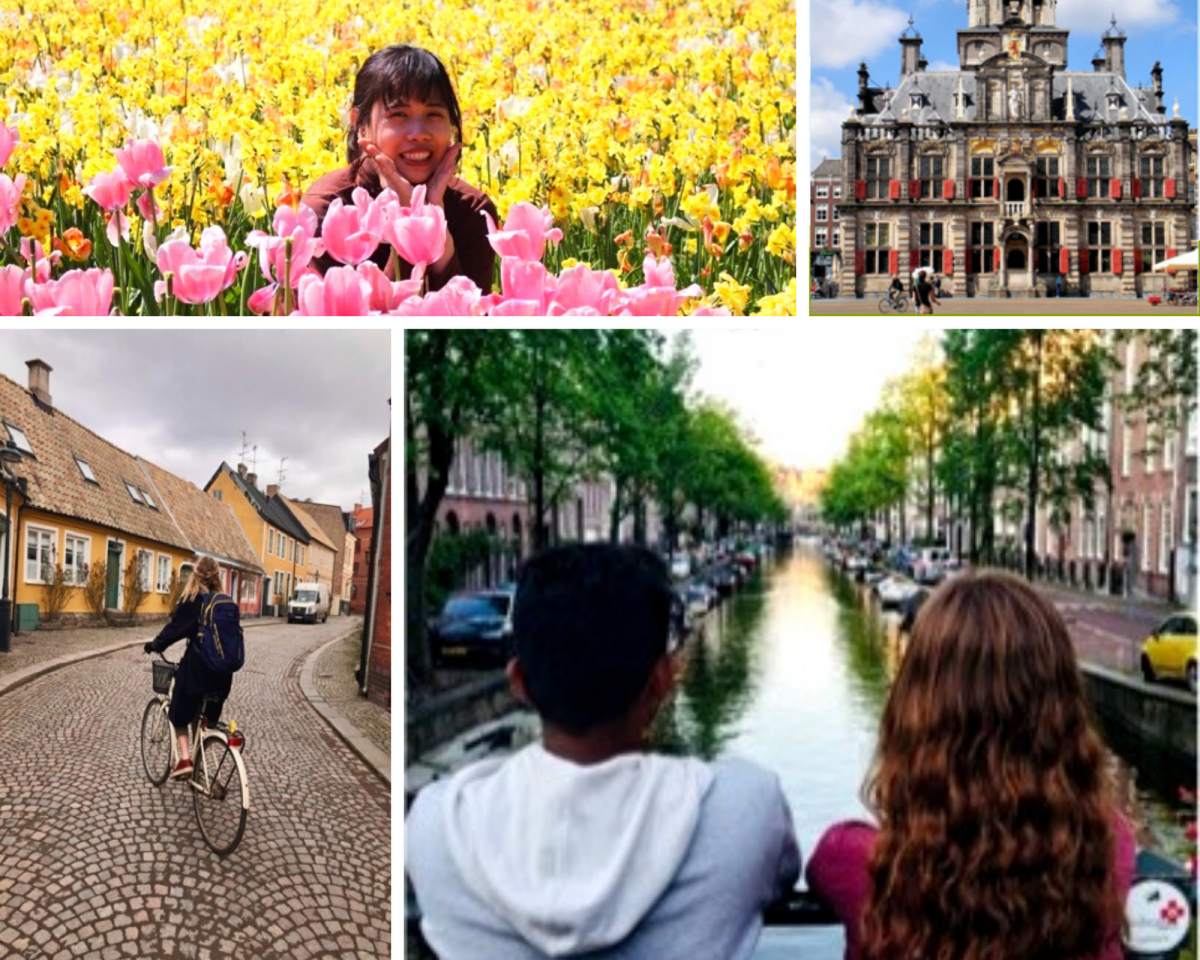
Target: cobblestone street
[{"x": 97, "y": 863}]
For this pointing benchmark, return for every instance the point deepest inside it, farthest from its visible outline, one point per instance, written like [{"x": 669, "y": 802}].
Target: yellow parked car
[{"x": 1170, "y": 651}]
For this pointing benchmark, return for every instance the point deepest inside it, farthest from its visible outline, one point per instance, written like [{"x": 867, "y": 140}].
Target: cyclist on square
[
  {"x": 195, "y": 680},
  {"x": 896, "y": 290}
]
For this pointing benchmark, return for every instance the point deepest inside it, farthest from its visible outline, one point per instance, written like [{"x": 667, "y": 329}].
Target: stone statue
[
  {"x": 1176, "y": 108},
  {"x": 1014, "y": 103}
]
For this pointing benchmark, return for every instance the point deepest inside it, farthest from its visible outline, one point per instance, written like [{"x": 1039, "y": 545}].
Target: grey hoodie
[{"x": 643, "y": 856}]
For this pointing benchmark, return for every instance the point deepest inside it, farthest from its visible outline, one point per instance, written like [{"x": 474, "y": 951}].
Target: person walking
[
  {"x": 925, "y": 295},
  {"x": 1058, "y": 285}
]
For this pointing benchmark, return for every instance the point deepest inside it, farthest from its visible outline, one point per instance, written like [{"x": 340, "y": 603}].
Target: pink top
[{"x": 837, "y": 872}]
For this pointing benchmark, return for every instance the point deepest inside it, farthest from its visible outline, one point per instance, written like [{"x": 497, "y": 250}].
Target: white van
[{"x": 310, "y": 602}]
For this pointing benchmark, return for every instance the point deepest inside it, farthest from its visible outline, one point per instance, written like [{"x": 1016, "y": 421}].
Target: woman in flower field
[
  {"x": 222, "y": 160},
  {"x": 405, "y": 127}
]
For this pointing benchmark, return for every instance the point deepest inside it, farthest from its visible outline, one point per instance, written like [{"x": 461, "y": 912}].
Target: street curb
[{"x": 379, "y": 762}]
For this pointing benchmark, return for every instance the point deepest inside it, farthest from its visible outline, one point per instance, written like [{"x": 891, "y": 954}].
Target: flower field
[{"x": 153, "y": 154}]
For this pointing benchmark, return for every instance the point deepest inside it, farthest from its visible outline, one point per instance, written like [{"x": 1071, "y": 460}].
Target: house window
[
  {"x": 1164, "y": 539},
  {"x": 822, "y": 214},
  {"x": 39, "y": 553},
  {"x": 1154, "y": 244},
  {"x": 162, "y": 578},
  {"x": 822, "y": 237},
  {"x": 291, "y": 549},
  {"x": 86, "y": 471},
  {"x": 17, "y": 435},
  {"x": 1047, "y": 243},
  {"x": 278, "y": 582},
  {"x": 144, "y": 559},
  {"x": 931, "y": 176},
  {"x": 1099, "y": 172},
  {"x": 75, "y": 558},
  {"x": 1100, "y": 247},
  {"x": 837, "y": 238},
  {"x": 1168, "y": 452},
  {"x": 837, "y": 191},
  {"x": 837, "y": 214},
  {"x": 1125, "y": 438},
  {"x": 270, "y": 541},
  {"x": 983, "y": 178},
  {"x": 133, "y": 493},
  {"x": 145, "y": 496},
  {"x": 1045, "y": 181},
  {"x": 217, "y": 495},
  {"x": 877, "y": 178},
  {"x": 1151, "y": 461},
  {"x": 915, "y": 101},
  {"x": 1114, "y": 101},
  {"x": 980, "y": 255},
  {"x": 1152, "y": 176},
  {"x": 930, "y": 241},
  {"x": 1147, "y": 520},
  {"x": 282, "y": 542},
  {"x": 822, "y": 193},
  {"x": 878, "y": 247}
]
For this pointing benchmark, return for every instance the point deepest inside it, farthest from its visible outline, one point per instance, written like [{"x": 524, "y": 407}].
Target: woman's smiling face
[{"x": 414, "y": 134}]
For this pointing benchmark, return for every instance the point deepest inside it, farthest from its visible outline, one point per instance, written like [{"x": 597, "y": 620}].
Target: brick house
[
  {"x": 825, "y": 230},
  {"x": 338, "y": 527}
]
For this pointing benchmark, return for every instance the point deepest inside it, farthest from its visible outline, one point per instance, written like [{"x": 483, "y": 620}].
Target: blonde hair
[{"x": 207, "y": 575}]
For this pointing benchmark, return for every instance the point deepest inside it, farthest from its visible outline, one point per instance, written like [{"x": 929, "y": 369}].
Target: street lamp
[{"x": 9, "y": 453}]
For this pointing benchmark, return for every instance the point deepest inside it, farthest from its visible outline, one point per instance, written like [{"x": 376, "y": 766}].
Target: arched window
[{"x": 1016, "y": 259}]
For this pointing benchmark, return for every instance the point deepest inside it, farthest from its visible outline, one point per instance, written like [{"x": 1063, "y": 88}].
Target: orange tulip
[{"x": 73, "y": 245}]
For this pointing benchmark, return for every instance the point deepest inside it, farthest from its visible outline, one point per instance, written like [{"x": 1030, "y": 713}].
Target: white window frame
[
  {"x": 147, "y": 499},
  {"x": 18, "y": 437},
  {"x": 836, "y": 239},
  {"x": 270, "y": 540},
  {"x": 1165, "y": 535},
  {"x": 86, "y": 470},
  {"x": 162, "y": 584},
  {"x": 837, "y": 191},
  {"x": 74, "y": 570},
  {"x": 822, "y": 215},
  {"x": 822, "y": 236},
  {"x": 133, "y": 493},
  {"x": 1151, "y": 459},
  {"x": 823, "y": 193},
  {"x": 1147, "y": 520},
  {"x": 837, "y": 213},
  {"x": 1126, "y": 438},
  {"x": 145, "y": 572},
  {"x": 40, "y": 530},
  {"x": 1168, "y": 451},
  {"x": 217, "y": 495}
]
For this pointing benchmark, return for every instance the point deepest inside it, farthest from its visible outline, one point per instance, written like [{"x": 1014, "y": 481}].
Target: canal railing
[{"x": 1160, "y": 912}]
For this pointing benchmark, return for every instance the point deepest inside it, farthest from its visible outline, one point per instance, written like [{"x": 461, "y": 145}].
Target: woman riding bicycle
[
  {"x": 896, "y": 290},
  {"x": 194, "y": 680}
]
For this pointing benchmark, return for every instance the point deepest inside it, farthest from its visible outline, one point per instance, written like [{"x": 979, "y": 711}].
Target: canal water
[{"x": 793, "y": 673}]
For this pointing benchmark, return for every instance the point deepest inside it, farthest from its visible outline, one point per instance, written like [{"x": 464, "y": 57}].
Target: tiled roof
[
  {"x": 310, "y": 525},
  {"x": 57, "y": 485},
  {"x": 208, "y": 524},
  {"x": 335, "y": 521},
  {"x": 269, "y": 508},
  {"x": 829, "y": 167}
]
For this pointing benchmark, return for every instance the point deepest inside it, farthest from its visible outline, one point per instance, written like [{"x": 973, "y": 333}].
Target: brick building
[
  {"x": 363, "y": 522},
  {"x": 825, "y": 233},
  {"x": 338, "y": 526}
]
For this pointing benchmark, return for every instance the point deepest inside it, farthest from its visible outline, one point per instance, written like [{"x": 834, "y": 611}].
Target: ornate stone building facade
[{"x": 1013, "y": 170}]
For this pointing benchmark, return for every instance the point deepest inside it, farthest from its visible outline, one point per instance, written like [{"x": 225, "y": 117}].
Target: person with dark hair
[
  {"x": 406, "y": 130},
  {"x": 587, "y": 844},
  {"x": 998, "y": 834}
]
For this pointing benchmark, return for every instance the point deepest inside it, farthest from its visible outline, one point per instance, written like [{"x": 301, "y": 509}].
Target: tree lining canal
[{"x": 792, "y": 672}]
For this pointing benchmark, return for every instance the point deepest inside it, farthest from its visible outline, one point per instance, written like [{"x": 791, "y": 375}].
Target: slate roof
[
  {"x": 209, "y": 525},
  {"x": 272, "y": 509},
  {"x": 1091, "y": 92},
  {"x": 56, "y": 484},
  {"x": 829, "y": 167},
  {"x": 182, "y": 516}
]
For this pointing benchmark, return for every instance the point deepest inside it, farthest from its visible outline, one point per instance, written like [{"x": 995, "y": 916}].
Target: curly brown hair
[
  {"x": 206, "y": 576},
  {"x": 992, "y": 790}
]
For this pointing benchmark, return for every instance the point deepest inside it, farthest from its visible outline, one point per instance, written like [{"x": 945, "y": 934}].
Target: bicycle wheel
[
  {"x": 156, "y": 742},
  {"x": 885, "y": 305},
  {"x": 902, "y": 305},
  {"x": 220, "y": 793}
]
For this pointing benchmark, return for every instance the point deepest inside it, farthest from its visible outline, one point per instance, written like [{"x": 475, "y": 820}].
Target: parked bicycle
[
  {"x": 897, "y": 305},
  {"x": 220, "y": 788}
]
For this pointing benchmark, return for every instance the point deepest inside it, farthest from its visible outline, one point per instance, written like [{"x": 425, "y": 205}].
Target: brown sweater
[{"x": 464, "y": 206}]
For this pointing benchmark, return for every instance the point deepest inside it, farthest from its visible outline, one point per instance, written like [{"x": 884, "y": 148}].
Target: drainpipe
[
  {"x": 16, "y": 580},
  {"x": 377, "y": 540}
]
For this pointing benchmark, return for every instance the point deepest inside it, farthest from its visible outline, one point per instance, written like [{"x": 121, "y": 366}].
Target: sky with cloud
[{"x": 843, "y": 33}]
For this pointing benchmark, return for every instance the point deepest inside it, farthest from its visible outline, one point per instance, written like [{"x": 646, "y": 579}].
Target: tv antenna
[{"x": 282, "y": 475}]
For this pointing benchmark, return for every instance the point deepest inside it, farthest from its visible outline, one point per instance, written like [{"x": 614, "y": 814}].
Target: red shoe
[{"x": 182, "y": 771}]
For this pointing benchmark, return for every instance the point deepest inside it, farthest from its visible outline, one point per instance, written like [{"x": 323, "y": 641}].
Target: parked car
[
  {"x": 681, "y": 566},
  {"x": 894, "y": 591},
  {"x": 910, "y": 606},
  {"x": 310, "y": 601},
  {"x": 723, "y": 579},
  {"x": 1170, "y": 651},
  {"x": 473, "y": 629},
  {"x": 929, "y": 565}
]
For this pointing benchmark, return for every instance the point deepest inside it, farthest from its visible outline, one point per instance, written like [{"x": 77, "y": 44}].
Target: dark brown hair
[
  {"x": 992, "y": 789},
  {"x": 393, "y": 74}
]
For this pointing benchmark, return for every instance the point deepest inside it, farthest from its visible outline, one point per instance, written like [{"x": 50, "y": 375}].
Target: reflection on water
[{"x": 793, "y": 673}]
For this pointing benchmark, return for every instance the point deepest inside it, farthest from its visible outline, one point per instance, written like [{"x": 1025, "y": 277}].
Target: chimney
[
  {"x": 1099, "y": 62},
  {"x": 252, "y": 479},
  {"x": 39, "y": 380},
  {"x": 357, "y": 507},
  {"x": 241, "y": 470},
  {"x": 864, "y": 94},
  {"x": 910, "y": 59},
  {"x": 272, "y": 489},
  {"x": 1114, "y": 49}
]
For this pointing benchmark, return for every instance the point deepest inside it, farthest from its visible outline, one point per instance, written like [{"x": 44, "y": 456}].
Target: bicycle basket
[{"x": 163, "y": 673}]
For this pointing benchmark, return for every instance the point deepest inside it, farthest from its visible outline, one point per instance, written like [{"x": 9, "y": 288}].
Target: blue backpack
[{"x": 221, "y": 644}]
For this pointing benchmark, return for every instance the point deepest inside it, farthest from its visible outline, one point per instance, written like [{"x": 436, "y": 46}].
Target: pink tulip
[
  {"x": 35, "y": 256},
  {"x": 77, "y": 293},
  {"x": 657, "y": 297},
  {"x": 110, "y": 190},
  {"x": 387, "y": 295},
  {"x": 582, "y": 291},
  {"x": 340, "y": 293},
  {"x": 458, "y": 298},
  {"x": 9, "y": 138},
  {"x": 417, "y": 233},
  {"x": 262, "y": 301},
  {"x": 142, "y": 163},
  {"x": 198, "y": 276},
  {"x": 525, "y": 232},
  {"x": 301, "y": 226},
  {"x": 352, "y": 234},
  {"x": 117, "y": 223},
  {"x": 12, "y": 291},
  {"x": 151, "y": 212},
  {"x": 10, "y": 200}
]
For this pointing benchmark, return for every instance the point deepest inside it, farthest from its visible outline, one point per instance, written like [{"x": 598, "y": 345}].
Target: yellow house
[
  {"x": 84, "y": 505},
  {"x": 320, "y": 552},
  {"x": 279, "y": 539}
]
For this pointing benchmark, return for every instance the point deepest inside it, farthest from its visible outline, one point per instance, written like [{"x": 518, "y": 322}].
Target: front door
[{"x": 112, "y": 592}]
